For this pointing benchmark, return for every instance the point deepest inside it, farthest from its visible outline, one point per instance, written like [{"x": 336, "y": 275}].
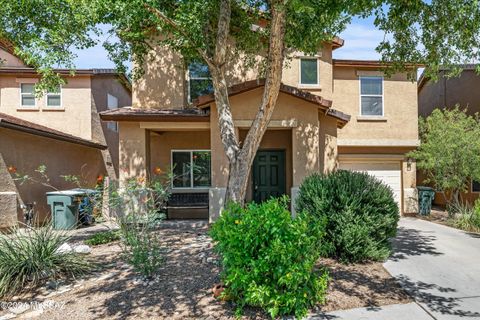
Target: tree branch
[{"x": 175, "y": 26}]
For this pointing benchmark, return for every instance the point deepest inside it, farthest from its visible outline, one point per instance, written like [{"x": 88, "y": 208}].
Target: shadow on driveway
[{"x": 411, "y": 242}]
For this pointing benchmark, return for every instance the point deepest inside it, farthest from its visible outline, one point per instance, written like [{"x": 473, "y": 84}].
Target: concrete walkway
[
  {"x": 409, "y": 311},
  {"x": 439, "y": 267}
]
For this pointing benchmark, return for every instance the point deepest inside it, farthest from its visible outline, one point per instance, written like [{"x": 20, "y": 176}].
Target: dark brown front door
[{"x": 268, "y": 175}]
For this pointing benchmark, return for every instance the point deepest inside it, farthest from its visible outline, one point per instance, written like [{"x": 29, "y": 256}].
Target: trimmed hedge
[
  {"x": 360, "y": 210},
  {"x": 268, "y": 258}
]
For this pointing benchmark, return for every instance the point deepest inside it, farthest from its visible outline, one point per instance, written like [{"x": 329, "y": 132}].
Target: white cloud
[{"x": 361, "y": 39}]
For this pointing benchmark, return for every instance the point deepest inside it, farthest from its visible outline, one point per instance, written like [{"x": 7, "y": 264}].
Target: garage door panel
[{"x": 388, "y": 172}]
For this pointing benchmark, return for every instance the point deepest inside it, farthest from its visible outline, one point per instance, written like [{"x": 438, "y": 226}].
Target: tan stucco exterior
[
  {"x": 26, "y": 152},
  {"x": 9, "y": 60}
]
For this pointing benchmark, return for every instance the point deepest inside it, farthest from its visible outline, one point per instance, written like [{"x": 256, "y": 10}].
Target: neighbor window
[
  {"x": 112, "y": 103},
  {"x": 191, "y": 169},
  {"x": 309, "y": 71},
  {"x": 200, "y": 81},
  {"x": 371, "y": 96},
  {"x": 475, "y": 186},
  {"x": 54, "y": 98},
  {"x": 27, "y": 92}
]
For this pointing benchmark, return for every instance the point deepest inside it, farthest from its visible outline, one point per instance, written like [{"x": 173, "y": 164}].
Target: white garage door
[{"x": 388, "y": 172}]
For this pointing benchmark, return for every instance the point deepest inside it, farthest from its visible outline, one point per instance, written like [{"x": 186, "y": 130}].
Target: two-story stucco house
[
  {"x": 61, "y": 130},
  {"x": 330, "y": 114}
]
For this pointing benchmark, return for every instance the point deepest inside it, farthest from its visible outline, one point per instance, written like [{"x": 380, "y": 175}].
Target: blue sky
[{"x": 361, "y": 37}]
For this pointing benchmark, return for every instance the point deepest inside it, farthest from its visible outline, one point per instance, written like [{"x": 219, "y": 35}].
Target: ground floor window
[
  {"x": 475, "y": 186},
  {"x": 191, "y": 168}
]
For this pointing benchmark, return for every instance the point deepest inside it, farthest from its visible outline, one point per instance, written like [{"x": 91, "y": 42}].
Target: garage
[{"x": 387, "y": 171}]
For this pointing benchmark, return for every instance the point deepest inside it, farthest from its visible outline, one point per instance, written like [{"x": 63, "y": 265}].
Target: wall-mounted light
[{"x": 409, "y": 164}]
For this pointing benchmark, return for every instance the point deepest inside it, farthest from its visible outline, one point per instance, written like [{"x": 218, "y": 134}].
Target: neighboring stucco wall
[
  {"x": 9, "y": 60},
  {"x": 462, "y": 90},
  {"x": 400, "y": 108},
  {"x": 73, "y": 118},
  {"x": 101, "y": 87},
  {"x": 27, "y": 152}
]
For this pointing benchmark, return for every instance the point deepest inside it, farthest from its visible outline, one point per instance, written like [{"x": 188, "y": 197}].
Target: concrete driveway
[{"x": 440, "y": 268}]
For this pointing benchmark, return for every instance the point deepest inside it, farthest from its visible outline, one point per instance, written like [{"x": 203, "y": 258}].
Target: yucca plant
[
  {"x": 464, "y": 216},
  {"x": 30, "y": 257}
]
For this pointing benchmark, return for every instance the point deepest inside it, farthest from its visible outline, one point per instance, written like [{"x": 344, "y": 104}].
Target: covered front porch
[{"x": 301, "y": 139}]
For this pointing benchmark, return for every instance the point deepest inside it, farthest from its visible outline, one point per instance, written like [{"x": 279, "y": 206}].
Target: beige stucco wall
[
  {"x": 73, "y": 118},
  {"x": 133, "y": 151},
  {"x": 27, "y": 152},
  {"x": 9, "y": 60},
  {"x": 400, "y": 108}
]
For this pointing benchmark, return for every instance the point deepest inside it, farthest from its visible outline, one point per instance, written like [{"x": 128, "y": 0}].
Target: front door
[{"x": 268, "y": 175}]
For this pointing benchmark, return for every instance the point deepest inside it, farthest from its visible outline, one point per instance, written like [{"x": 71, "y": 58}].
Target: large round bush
[
  {"x": 268, "y": 257},
  {"x": 360, "y": 210}
]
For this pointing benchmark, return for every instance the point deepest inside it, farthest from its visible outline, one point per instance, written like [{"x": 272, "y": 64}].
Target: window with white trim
[
  {"x": 27, "y": 95},
  {"x": 199, "y": 81},
  {"x": 309, "y": 71},
  {"x": 112, "y": 103},
  {"x": 191, "y": 168},
  {"x": 475, "y": 186},
  {"x": 371, "y": 96},
  {"x": 54, "y": 98}
]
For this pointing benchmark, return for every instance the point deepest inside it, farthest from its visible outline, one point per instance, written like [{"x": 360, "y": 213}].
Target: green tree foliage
[
  {"x": 449, "y": 153},
  {"x": 269, "y": 257},
  {"x": 360, "y": 211}
]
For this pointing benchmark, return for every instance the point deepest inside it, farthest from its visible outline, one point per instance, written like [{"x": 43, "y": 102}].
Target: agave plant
[{"x": 30, "y": 257}]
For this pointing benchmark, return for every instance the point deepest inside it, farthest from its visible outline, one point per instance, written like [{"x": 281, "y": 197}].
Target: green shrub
[
  {"x": 464, "y": 217},
  {"x": 360, "y": 210},
  {"x": 141, "y": 247},
  {"x": 29, "y": 258},
  {"x": 103, "y": 237},
  {"x": 268, "y": 257}
]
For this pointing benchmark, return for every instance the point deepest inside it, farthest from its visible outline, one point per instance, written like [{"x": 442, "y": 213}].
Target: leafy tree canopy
[
  {"x": 450, "y": 151},
  {"x": 434, "y": 33}
]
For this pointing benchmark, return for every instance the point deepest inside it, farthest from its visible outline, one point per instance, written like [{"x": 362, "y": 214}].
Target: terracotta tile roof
[
  {"x": 14, "y": 123},
  {"x": 366, "y": 63},
  {"x": 139, "y": 114}
]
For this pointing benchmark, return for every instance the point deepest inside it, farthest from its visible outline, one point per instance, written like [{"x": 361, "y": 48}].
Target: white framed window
[
  {"x": 27, "y": 95},
  {"x": 199, "y": 81},
  {"x": 475, "y": 186},
  {"x": 191, "y": 169},
  {"x": 371, "y": 96},
  {"x": 54, "y": 98},
  {"x": 308, "y": 72},
  {"x": 112, "y": 103}
]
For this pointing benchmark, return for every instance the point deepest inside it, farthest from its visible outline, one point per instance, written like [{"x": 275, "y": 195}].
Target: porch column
[
  {"x": 328, "y": 144},
  {"x": 8, "y": 196},
  {"x": 410, "y": 194},
  {"x": 133, "y": 152},
  {"x": 305, "y": 160},
  {"x": 220, "y": 169}
]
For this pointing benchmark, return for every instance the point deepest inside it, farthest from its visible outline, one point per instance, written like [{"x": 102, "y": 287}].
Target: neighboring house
[
  {"x": 330, "y": 114},
  {"x": 61, "y": 130},
  {"x": 448, "y": 92}
]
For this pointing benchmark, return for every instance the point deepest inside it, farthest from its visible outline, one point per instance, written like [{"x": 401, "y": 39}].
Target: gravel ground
[{"x": 183, "y": 289}]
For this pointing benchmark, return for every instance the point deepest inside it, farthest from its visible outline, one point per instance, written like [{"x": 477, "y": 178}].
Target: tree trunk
[{"x": 241, "y": 159}]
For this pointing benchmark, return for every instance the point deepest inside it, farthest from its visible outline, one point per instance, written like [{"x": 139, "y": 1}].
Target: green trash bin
[
  {"x": 425, "y": 199},
  {"x": 64, "y": 208}
]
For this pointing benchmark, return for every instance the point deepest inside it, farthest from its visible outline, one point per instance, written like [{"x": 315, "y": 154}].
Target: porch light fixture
[{"x": 409, "y": 164}]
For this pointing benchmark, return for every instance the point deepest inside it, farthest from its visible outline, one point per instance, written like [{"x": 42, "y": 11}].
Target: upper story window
[
  {"x": 191, "y": 169},
  {"x": 309, "y": 72},
  {"x": 54, "y": 98},
  {"x": 112, "y": 103},
  {"x": 199, "y": 81},
  {"x": 371, "y": 96},
  {"x": 27, "y": 95}
]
